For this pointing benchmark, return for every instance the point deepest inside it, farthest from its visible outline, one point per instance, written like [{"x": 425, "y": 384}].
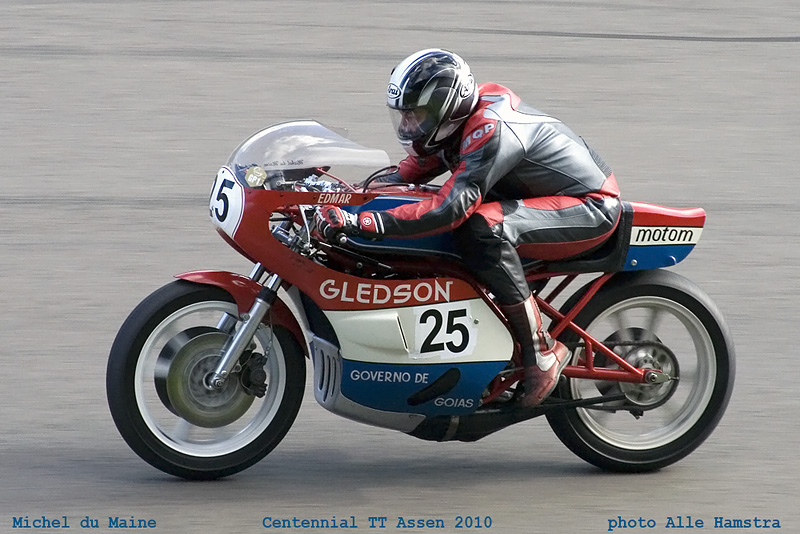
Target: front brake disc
[{"x": 182, "y": 369}]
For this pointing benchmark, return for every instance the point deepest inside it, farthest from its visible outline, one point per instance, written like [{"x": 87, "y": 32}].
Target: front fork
[
  {"x": 241, "y": 339},
  {"x": 251, "y": 320}
]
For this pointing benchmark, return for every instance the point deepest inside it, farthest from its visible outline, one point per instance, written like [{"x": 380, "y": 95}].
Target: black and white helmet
[{"x": 430, "y": 94}]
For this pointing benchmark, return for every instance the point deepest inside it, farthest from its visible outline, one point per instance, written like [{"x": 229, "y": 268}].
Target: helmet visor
[{"x": 412, "y": 124}]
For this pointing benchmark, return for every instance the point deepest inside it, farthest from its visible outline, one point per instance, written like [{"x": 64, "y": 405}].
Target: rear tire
[
  {"x": 690, "y": 340},
  {"x": 149, "y": 387}
]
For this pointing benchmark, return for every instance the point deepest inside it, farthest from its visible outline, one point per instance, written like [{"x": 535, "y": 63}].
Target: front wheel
[
  {"x": 657, "y": 320},
  {"x": 157, "y": 390}
]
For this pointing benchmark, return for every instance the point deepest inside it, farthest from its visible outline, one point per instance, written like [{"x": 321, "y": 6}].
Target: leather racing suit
[{"x": 522, "y": 184}]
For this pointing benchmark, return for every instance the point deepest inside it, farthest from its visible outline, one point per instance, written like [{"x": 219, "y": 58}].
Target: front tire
[
  {"x": 158, "y": 400},
  {"x": 662, "y": 320}
]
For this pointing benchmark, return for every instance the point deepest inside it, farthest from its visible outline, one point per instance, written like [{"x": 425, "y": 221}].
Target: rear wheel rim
[{"x": 686, "y": 336}]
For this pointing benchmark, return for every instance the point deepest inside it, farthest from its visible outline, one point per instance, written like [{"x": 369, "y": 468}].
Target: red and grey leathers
[{"x": 522, "y": 184}]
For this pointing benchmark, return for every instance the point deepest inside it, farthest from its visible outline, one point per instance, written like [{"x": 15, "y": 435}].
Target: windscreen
[{"x": 303, "y": 145}]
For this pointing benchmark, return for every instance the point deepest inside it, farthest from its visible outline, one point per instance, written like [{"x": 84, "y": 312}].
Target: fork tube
[
  {"x": 228, "y": 322},
  {"x": 257, "y": 272},
  {"x": 236, "y": 344}
]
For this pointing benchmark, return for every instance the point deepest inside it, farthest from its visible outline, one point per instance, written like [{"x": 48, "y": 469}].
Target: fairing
[{"x": 662, "y": 237}]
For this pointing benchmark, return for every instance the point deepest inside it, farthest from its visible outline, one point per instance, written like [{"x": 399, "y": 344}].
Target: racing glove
[{"x": 332, "y": 220}]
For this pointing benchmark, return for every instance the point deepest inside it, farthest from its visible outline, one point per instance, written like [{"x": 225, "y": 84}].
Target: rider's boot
[{"x": 543, "y": 357}]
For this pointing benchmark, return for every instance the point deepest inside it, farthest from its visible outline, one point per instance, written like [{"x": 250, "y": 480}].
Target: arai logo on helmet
[
  {"x": 467, "y": 87},
  {"x": 393, "y": 91}
]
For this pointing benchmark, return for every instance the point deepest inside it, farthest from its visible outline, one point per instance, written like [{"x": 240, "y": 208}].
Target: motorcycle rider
[{"x": 521, "y": 182}]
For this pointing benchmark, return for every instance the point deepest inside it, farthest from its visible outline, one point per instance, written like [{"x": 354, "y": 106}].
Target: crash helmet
[{"x": 430, "y": 95}]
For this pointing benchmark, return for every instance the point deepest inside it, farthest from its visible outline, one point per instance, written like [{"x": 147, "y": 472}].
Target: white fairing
[
  {"x": 449, "y": 332},
  {"x": 226, "y": 202},
  {"x": 327, "y": 361},
  {"x": 387, "y": 357}
]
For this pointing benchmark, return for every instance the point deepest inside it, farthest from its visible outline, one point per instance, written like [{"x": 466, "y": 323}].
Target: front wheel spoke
[{"x": 219, "y": 434}]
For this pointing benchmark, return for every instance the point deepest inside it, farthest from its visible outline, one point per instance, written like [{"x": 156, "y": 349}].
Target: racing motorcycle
[{"x": 207, "y": 374}]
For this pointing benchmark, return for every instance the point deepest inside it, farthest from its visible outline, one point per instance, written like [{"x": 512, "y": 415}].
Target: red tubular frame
[
  {"x": 627, "y": 373},
  {"x": 585, "y": 368}
]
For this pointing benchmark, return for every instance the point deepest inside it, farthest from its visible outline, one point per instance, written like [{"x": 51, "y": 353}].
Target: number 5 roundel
[{"x": 226, "y": 202}]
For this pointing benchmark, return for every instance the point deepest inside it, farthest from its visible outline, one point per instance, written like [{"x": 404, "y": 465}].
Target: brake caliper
[{"x": 252, "y": 377}]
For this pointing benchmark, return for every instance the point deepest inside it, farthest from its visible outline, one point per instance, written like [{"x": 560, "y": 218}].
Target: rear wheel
[
  {"x": 157, "y": 385},
  {"x": 661, "y": 321}
]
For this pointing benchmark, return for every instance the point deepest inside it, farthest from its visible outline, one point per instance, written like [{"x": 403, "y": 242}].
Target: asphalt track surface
[{"x": 114, "y": 117}]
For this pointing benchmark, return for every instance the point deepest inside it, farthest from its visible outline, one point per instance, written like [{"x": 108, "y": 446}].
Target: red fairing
[
  {"x": 242, "y": 289},
  {"x": 330, "y": 290},
  {"x": 652, "y": 215},
  {"x": 244, "y": 292}
]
